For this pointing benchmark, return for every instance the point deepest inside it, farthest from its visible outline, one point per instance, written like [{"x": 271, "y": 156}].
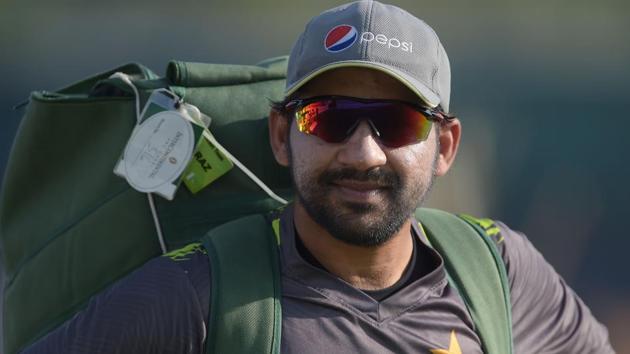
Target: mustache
[{"x": 378, "y": 176}]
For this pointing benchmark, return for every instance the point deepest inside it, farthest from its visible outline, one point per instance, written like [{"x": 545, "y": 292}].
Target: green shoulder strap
[
  {"x": 478, "y": 272},
  {"x": 245, "y": 315}
]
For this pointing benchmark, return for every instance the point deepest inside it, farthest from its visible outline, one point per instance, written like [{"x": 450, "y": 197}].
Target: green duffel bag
[{"x": 69, "y": 226}]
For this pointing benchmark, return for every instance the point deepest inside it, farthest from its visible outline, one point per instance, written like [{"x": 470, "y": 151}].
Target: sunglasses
[{"x": 334, "y": 118}]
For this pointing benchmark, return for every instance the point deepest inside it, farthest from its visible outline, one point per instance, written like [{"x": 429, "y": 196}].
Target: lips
[
  {"x": 359, "y": 191},
  {"x": 361, "y": 186},
  {"x": 375, "y": 186}
]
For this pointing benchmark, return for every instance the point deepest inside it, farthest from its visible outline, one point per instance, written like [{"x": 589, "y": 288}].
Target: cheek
[
  {"x": 414, "y": 162},
  {"x": 307, "y": 154},
  {"x": 306, "y": 147},
  {"x": 425, "y": 156}
]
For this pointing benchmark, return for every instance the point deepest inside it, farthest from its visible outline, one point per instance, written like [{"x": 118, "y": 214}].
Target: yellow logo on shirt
[{"x": 453, "y": 347}]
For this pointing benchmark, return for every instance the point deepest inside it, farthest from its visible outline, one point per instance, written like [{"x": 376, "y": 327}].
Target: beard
[{"x": 360, "y": 224}]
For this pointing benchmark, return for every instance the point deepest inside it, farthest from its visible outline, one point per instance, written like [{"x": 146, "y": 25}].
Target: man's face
[{"x": 360, "y": 191}]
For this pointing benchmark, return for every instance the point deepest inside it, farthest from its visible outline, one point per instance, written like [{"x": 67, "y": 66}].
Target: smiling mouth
[
  {"x": 359, "y": 186},
  {"x": 360, "y": 191}
]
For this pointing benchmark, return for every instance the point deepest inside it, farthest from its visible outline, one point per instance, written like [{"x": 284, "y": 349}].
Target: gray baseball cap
[{"x": 377, "y": 36}]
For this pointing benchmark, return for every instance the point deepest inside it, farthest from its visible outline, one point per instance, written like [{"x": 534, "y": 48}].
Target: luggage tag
[
  {"x": 207, "y": 165},
  {"x": 161, "y": 146}
]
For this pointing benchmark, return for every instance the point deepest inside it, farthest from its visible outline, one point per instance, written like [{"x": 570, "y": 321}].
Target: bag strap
[
  {"x": 478, "y": 272},
  {"x": 245, "y": 314}
]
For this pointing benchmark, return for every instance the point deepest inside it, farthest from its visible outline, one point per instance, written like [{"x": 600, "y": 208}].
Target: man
[{"x": 364, "y": 129}]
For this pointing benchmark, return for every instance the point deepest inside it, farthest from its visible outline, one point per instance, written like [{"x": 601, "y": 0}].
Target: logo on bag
[{"x": 340, "y": 37}]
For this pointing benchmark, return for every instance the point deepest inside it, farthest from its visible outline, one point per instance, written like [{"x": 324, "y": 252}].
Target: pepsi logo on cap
[{"x": 340, "y": 37}]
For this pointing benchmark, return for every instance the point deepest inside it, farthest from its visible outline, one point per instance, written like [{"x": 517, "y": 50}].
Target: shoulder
[
  {"x": 546, "y": 312},
  {"x": 522, "y": 260},
  {"x": 513, "y": 246},
  {"x": 192, "y": 261},
  {"x": 158, "y": 307}
]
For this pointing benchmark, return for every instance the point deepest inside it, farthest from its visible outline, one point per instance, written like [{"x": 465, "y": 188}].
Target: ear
[
  {"x": 278, "y": 136},
  {"x": 450, "y": 135}
]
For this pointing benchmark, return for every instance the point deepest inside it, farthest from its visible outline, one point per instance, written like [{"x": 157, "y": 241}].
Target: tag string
[
  {"x": 156, "y": 220},
  {"x": 206, "y": 133},
  {"x": 245, "y": 170},
  {"x": 196, "y": 119}
]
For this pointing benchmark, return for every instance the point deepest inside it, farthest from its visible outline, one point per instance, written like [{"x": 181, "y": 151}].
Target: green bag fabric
[
  {"x": 245, "y": 314},
  {"x": 69, "y": 226},
  {"x": 477, "y": 271},
  {"x": 245, "y": 298}
]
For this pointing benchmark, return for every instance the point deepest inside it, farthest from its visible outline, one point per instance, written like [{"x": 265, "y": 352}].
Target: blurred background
[{"x": 541, "y": 88}]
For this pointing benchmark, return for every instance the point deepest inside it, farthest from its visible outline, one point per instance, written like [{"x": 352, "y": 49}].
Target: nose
[{"x": 362, "y": 151}]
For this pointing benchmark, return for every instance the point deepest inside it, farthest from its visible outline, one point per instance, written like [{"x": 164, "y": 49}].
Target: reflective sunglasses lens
[
  {"x": 400, "y": 125},
  {"x": 326, "y": 120}
]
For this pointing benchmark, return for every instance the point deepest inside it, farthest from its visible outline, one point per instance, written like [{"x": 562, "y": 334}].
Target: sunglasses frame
[{"x": 431, "y": 114}]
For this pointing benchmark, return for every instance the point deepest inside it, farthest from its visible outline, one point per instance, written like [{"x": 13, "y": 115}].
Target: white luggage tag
[{"x": 161, "y": 145}]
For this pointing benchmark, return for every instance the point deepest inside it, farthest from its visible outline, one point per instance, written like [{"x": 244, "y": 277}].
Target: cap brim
[{"x": 420, "y": 89}]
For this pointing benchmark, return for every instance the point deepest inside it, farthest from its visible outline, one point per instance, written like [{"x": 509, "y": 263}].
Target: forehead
[{"x": 357, "y": 82}]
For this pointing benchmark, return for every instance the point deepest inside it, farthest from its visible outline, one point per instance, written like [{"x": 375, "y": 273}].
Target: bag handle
[
  {"x": 188, "y": 74},
  {"x": 84, "y": 86}
]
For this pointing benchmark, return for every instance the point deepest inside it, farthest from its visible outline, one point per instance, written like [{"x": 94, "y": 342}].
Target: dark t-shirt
[
  {"x": 163, "y": 308},
  {"x": 418, "y": 266}
]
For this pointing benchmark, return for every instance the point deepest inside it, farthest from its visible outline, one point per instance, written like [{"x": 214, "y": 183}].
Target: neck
[{"x": 367, "y": 268}]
